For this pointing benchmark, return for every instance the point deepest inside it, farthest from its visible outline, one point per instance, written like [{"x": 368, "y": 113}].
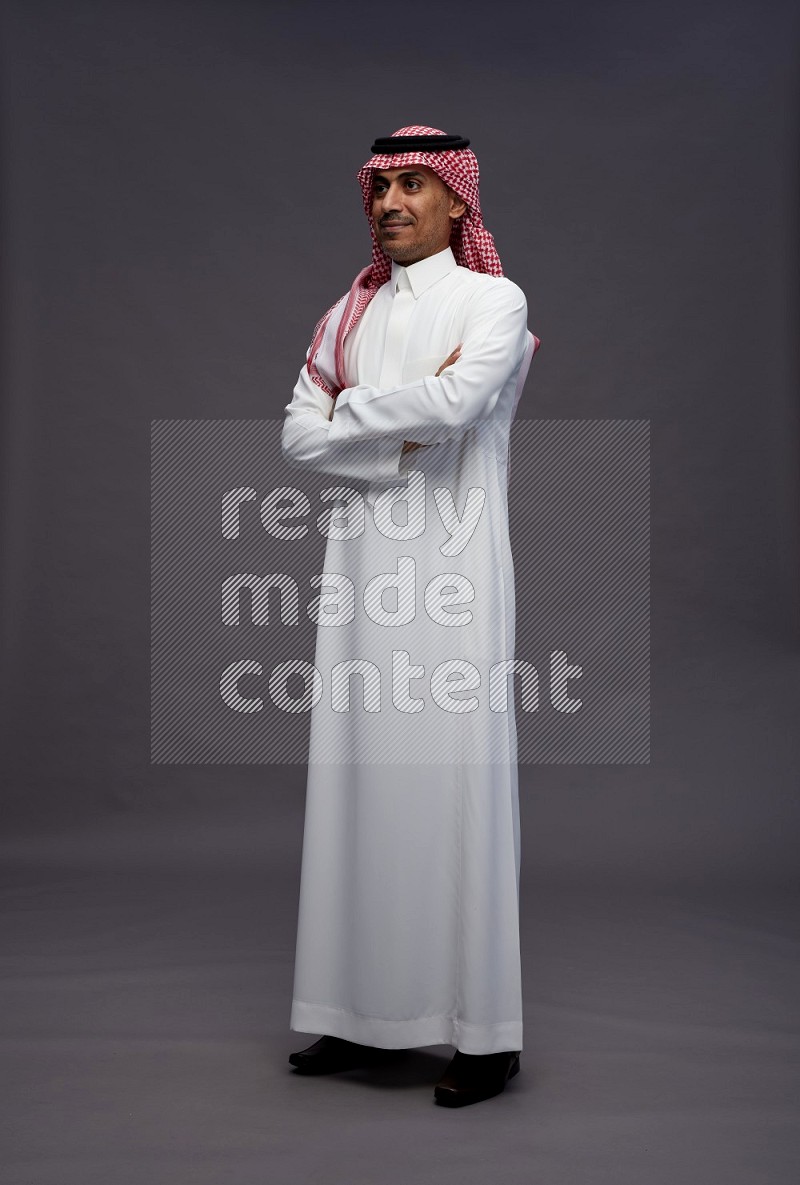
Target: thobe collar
[{"x": 424, "y": 272}]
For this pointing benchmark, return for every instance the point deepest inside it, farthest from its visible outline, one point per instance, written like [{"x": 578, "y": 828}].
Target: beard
[{"x": 410, "y": 252}]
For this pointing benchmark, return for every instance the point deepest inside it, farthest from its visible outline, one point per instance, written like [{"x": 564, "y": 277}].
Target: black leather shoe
[
  {"x": 330, "y": 1054},
  {"x": 472, "y": 1077}
]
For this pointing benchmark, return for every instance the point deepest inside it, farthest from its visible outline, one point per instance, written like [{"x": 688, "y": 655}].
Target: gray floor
[{"x": 145, "y": 994}]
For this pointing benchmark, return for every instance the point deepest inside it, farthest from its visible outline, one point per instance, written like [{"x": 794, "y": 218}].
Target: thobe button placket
[
  {"x": 397, "y": 332},
  {"x": 394, "y": 349}
]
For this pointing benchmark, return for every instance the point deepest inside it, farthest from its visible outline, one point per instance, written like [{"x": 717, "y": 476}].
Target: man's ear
[{"x": 457, "y": 205}]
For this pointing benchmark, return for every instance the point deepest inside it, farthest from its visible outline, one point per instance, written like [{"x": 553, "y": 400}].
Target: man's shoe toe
[
  {"x": 471, "y": 1078},
  {"x": 332, "y": 1054}
]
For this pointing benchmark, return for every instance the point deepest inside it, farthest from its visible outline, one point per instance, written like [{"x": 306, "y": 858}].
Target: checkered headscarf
[{"x": 470, "y": 241}]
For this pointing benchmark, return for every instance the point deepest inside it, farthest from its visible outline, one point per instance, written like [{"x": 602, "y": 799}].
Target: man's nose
[{"x": 391, "y": 200}]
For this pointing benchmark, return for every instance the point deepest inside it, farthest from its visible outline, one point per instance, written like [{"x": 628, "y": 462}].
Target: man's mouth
[{"x": 394, "y": 225}]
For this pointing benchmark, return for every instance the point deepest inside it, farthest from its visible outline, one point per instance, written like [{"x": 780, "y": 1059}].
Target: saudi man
[{"x": 408, "y": 924}]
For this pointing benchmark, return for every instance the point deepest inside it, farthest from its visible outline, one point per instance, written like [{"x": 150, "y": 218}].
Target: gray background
[{"x": 179, "y": 207}]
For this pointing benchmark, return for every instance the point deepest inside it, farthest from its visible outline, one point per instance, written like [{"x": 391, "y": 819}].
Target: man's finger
[{"x": 449, "y": 360}]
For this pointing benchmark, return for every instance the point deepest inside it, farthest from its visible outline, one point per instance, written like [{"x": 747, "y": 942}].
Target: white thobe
[{"x": 408, "y": 924}]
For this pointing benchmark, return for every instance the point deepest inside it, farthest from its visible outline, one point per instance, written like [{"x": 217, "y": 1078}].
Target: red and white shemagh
[{"x": 470, "y": 241}]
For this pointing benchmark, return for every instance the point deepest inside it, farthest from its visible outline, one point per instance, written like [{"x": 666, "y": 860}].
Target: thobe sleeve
[
  {"x": 433, "y": 409},
  {"x": 306, "y": 439}
]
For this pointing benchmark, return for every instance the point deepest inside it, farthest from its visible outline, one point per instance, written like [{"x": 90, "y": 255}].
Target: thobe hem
[{"x": 406, "y": 1034}]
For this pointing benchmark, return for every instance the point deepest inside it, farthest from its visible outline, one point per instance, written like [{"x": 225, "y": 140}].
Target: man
[{"x": 408, "y": 931}]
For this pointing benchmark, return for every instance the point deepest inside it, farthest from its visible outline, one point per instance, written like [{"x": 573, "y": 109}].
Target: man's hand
[
  {"x": 410, "y": 445},
  {"x": 450, "y": 359}
]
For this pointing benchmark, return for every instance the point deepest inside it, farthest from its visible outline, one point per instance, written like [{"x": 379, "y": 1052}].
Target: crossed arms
[{"x": 366, "y": 431}]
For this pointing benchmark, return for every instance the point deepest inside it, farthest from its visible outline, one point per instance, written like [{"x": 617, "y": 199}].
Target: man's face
[{"x": 413, "y": 212}]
